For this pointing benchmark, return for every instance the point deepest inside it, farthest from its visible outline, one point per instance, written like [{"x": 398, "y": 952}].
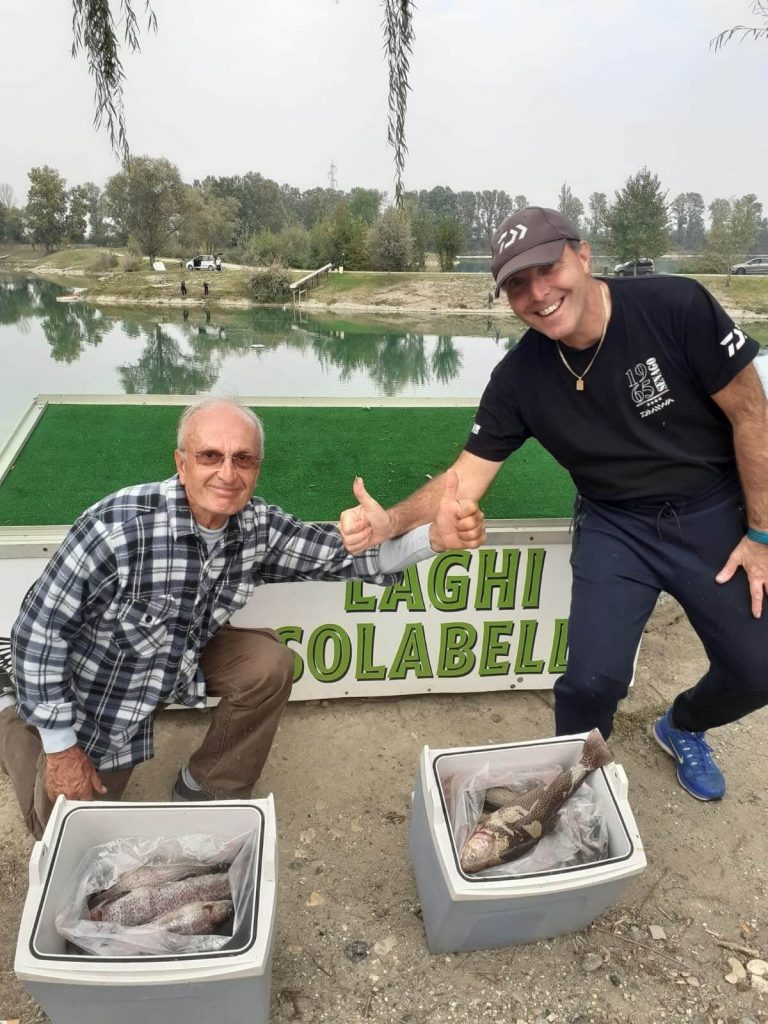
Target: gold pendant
[{"x": 579, "y": 384}]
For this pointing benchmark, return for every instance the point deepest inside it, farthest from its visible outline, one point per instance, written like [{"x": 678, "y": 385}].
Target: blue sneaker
[{"x": 697, "y": 771}]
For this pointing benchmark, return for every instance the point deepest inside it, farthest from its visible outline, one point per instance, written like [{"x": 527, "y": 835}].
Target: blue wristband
[{"x": 760, "y": 536}]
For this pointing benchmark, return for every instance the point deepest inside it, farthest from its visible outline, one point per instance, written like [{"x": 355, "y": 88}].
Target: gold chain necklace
[{"x": 580, "y": 376}]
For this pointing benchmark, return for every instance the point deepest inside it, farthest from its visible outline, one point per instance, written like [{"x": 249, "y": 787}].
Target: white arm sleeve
[{"x": 400, "y": 552}]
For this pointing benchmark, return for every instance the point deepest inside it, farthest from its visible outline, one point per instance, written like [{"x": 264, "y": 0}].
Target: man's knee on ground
[{"x": 273, "y": 672}]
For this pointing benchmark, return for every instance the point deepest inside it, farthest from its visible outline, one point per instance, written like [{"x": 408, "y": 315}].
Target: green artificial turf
[{"x": 79, "y": 453}]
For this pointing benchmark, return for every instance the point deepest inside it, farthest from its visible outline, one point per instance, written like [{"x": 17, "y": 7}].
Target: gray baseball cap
[{"x": 531, "y": 237}]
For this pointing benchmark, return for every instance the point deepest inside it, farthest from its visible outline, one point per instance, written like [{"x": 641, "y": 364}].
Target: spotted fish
[
  {"x": 195, "y": 918},
  {"x": 513, "y": 829},
  {"x": 148, "y": 876},
  {"x": 144, "y": 904}
]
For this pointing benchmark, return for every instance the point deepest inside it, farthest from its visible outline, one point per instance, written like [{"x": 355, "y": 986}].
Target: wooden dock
[{"x": 300, "y": 287}]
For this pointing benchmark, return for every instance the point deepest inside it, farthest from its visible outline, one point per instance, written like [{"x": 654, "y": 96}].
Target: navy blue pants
[{"x": 622, "y": 557}]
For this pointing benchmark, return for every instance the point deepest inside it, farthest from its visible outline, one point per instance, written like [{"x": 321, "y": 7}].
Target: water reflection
[
  {"x": 65, "y": 347},
  {"x": 164, "y": 369},
  {"x": 68, "y": 327}
]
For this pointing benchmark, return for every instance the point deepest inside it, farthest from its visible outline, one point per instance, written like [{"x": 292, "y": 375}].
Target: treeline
[{"x": 254, "y": 220}]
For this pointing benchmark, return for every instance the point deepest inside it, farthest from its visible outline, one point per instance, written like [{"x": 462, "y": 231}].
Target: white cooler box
[
  {"x": 464, "y": 912},
  {"x": 229, "y": 985}
]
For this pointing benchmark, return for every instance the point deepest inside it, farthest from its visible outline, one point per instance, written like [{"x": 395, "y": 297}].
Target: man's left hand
[
  {"x": 459, "y": 523},
  {"x": 753, "y": 559}
]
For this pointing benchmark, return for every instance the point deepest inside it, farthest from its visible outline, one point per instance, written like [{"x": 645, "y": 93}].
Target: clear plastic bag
[
  {"x": 580, "y": 834},
  {"x": 103, "y": 865}
]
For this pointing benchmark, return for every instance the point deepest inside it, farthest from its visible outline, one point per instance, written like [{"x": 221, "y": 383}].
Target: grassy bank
[{"x": 414, "y": 293}]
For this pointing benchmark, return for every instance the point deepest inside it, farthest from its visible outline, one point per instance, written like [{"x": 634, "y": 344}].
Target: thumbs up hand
[
  {"x": 365, "y": 525},
  {"x": 459, "y": 523}
]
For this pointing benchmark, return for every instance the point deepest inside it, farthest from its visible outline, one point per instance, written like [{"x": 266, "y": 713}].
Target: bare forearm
[
  {"x": 751, "y": 444},
  {"x": 420, "y": 508}
]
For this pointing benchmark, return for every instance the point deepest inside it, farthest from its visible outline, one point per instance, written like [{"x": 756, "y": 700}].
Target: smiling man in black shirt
[{"x": 644, "y": 390}]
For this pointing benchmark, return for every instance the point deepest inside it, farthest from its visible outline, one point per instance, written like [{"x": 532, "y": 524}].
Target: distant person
[
  {"x": 644, "y": 389},
  {"x": 133, "y": 609},
  {"x": 218, "y": 262},
  {"x": 183, "y": 287},
  {"x": 205, "y": 289}
]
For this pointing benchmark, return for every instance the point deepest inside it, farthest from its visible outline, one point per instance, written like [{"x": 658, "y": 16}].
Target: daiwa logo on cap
[{"x": 518, "y": 231}]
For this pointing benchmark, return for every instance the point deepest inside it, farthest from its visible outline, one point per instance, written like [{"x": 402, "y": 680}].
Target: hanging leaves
[
  {"x": 94, "y": 31},
  {"x": 759, "y": 7},
  {"x": 398, "y": 44}
]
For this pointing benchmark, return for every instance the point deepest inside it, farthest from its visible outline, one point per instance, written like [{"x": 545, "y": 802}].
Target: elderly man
[
  {"x": 643, "y": 389},
  {"x": 132, "y": 612}
]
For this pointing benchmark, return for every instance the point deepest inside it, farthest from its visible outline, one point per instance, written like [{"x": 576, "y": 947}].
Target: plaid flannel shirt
[{"x": 118, "y": 621}]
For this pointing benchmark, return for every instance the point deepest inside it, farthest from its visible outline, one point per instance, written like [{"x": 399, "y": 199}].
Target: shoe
[
  {"x": 182, "y": 793},
  {"x": 697, "y": 771}
]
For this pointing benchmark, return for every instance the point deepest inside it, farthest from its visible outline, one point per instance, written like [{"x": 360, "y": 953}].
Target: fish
[
  {"x": 143, "y": 904},
  {"x": 513, "y": 829},
  {"x": 148, "y": 876},
  {"x": 503, "y": 796},
  {"x": 196, "y": 918}
]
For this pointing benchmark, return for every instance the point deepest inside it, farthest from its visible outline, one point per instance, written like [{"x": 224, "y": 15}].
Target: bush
[
  {"x": 130, "y": 263},
  {"x": 264, "y": 249},
  {"x": 272, "y": 284},
  {"x": 104, "y": 261}
]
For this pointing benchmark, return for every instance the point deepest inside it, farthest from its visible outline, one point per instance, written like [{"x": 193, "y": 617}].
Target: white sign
[{"x": 462, "y": 622}]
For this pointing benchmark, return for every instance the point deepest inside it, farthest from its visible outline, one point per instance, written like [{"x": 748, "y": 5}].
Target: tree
[
  {"x": 46, "y": 206},
  {"x": 638, "y": 218},
  {"x": 493, "y": 205},
  {"x": 760, "y": 9},
  {"x": 365, "y": 203},
  {"x": 144, "y": 201},
  {"x": 569, "y": 205},
  {"x": 687, "y": 209},
  {"x": 76, "y": 223},
  {"x": 448, "y": 241},
  {"x": 95, "y": 209},
  {"x": 259, "y": 199},
  {"x": 390, "y": 242},
  {"x": 422, "y": 231},
  {"x": 208, "y": 223},
  {"x": 597, "y": 222},
  {"x": 734, "y": 226},
  {"x": 520, "y": 202},
  {"x": 340, "y": 238}
]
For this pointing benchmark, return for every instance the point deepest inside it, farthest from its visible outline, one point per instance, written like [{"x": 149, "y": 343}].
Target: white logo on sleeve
[
  {"x": 733, "y": 341},
  {"x": 475, "y": 428}
]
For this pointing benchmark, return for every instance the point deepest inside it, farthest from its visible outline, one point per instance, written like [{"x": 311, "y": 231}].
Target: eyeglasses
[{"x": 240, "y": 460}]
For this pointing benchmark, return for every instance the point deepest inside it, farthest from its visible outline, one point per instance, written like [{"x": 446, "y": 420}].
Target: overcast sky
[{"x": 514, "y": 94}]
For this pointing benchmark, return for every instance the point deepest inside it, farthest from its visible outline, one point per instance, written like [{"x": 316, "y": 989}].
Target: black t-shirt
[{"x": 645, "y": 427}]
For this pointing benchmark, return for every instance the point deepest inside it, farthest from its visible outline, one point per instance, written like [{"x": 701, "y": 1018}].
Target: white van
[{"x": 207, "y": 262}]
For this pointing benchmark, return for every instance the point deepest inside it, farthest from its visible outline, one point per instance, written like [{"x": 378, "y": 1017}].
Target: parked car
[
  {"x": 206, "y": 262},
  {"x": 644, "y": 266},
  {"x": 754, "y": 265}
]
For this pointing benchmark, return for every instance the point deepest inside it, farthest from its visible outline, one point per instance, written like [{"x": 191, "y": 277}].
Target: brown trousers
[{"x": 252, "y": 673}]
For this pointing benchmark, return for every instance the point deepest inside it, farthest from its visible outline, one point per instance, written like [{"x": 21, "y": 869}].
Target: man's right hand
[
  {"x": 71, "y": 774},
  {"x": 366, "y": 525}
]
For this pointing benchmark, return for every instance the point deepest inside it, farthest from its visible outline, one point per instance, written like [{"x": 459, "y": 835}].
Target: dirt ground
[{"x": 342, "y": 773}]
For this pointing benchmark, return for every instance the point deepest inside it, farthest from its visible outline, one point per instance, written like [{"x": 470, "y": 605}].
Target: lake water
[{"x": 72, "y": 348}]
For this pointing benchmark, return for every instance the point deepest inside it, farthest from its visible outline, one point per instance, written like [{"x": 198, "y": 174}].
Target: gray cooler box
[
  {"x": 229, "y": 985},
  {"x": 464, "y": 912}
]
